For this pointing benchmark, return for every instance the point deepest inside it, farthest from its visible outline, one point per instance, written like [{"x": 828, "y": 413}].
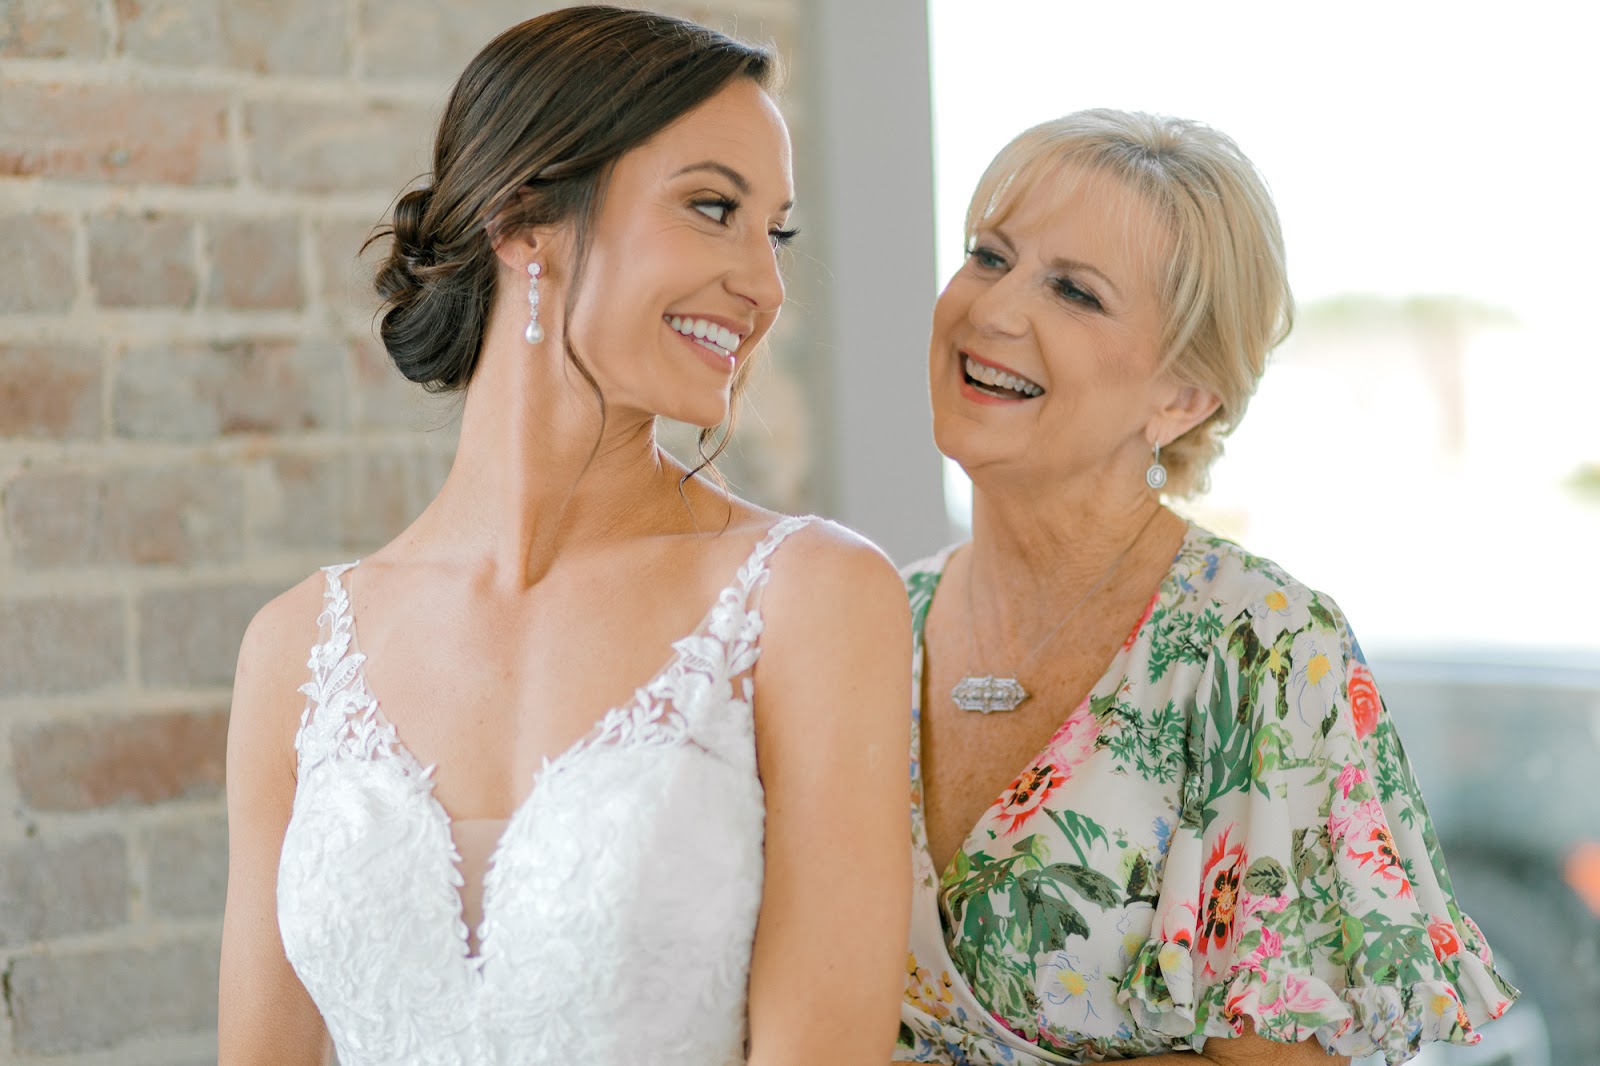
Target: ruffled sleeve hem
[{"x": 1389, "y": 1020}]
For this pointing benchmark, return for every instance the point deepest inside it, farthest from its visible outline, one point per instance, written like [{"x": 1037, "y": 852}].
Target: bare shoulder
[
  {"x": 825, "y": 574},
  {"x": 280, "y": 636},
  {"x": 272, "y": 667}
]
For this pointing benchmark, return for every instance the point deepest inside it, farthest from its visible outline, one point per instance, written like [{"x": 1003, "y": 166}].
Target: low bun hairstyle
[{"x": 528, "y": 138}]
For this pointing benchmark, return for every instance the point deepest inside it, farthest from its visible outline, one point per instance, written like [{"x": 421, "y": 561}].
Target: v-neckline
[
  {"x": 414, "y": 767},
  {"x": 588, "y": 740},
  {"x": 919, "y": 660}
]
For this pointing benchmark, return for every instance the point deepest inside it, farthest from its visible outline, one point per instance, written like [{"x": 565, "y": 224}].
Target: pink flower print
[
  {"x": 1025, "y": 796},
  {"x": 1442, "y": 934},
  {"x": 1367, "y": 839},
  {"x": 1349, "y": 778},
  {"x": 1298, "y": 997}
]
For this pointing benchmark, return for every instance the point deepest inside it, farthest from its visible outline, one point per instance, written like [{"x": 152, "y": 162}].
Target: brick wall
[{"x": 193, "y": 415}]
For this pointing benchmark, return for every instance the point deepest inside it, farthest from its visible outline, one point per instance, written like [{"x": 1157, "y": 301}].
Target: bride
[{"x": 443, "y": 847}]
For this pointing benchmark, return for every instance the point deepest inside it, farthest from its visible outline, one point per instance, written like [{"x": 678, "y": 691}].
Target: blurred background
[
  {"x": 1426, "y": 445},
  {"x": 194, "y": 413}
]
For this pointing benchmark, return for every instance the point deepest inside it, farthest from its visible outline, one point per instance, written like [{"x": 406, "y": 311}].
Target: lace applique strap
[
  {"x": 339, "y": 712},
  {"x": 753, "y": 574}
]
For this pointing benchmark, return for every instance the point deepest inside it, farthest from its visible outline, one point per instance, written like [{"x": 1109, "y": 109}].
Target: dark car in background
[{"x": 1506, "y": 747}]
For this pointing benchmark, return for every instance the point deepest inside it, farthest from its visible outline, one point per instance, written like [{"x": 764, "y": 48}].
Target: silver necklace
[{"x": 986, "y": 693}]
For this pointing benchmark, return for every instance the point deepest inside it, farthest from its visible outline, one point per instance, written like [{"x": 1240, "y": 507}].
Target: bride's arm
[
  {"x": 832, "y": 703},
  {"x": 264, "y": 1014}
]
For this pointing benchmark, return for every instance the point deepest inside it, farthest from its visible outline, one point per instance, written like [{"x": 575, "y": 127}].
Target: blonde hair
[{"x": 1224, "y": 292}]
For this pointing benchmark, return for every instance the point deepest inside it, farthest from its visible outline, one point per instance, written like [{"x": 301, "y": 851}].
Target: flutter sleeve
[{"x": 1304, "y": 890}]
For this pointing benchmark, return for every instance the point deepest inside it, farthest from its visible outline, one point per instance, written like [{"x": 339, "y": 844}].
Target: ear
[
  {"x": 517, "y": 250},
  {"x": 1186, "y": 407}
]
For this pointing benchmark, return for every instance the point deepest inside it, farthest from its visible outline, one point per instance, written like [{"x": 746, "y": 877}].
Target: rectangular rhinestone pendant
[{"x": 986, "y": 695}]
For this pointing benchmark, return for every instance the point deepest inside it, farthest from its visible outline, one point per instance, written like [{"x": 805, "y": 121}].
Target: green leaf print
[
  {"x": 1139, "y": 881},
  {"x": 1179, "y": 637},
  {"x": 1092, "y": 885},
  {"x": 1228, "y": 765},
  {"x": 1046, "y": 916},
  {"x": 1152, "y": 743},
  {"x": 919, "y": 588},
  {"x": 1274, "y": 746},
  {"x": 1266, "y": 877},
  {"x": 1397, "y": 954},
  {"x": 1348, "y": 939},
  {"x": 1081, "y": 832}
]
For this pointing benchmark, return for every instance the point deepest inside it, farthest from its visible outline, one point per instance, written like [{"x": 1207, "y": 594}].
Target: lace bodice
[{"x": 619, "y": 905}]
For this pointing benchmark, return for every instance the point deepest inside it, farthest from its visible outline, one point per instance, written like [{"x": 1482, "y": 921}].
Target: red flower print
[
  {"x": 1219, "y": 892},
  {"x": 1443, "y": 936},
  {"x": 1364, "y": 702},
  {"x": 1023, "y": 798},
  {"x": 1367, "y": 839},
  {"x": 1133, "y": 634}
]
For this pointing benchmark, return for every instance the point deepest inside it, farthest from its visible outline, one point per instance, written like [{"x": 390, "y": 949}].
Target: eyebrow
[
  {"x": 739, "y": 181},
  {"x": 1068, "y": 264}
]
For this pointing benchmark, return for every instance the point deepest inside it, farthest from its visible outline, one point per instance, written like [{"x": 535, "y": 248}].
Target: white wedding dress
[{"x": 618, "y": 906}]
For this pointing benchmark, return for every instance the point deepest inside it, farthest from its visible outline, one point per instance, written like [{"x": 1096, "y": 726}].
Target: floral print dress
[{"x": 1225, "y": 829}]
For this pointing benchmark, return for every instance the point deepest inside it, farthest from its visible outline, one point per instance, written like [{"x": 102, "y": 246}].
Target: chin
[{"x": 704, "y": 414}]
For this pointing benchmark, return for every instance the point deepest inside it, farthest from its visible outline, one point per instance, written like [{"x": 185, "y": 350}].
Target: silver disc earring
[
  {"x": 534, "y": 333},
  {"x": 1156, "y": 475}
]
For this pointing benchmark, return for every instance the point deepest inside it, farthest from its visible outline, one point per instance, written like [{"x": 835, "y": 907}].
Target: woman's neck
[
  {"x": 537, "y": 472},
  {"x": 1033, "y": 552}
]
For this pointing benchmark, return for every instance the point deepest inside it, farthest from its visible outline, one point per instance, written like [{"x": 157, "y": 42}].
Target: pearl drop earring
[
  {"x": 1156, "y": 475},
  {"x": 534, "y": 333}
]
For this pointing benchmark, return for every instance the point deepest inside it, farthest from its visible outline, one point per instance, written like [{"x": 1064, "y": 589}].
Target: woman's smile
[
  {"x": 984, "y": 381},
  {"x": 712, "y": 339}
]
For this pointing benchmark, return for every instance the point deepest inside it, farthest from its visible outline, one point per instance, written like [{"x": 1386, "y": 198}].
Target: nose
[
  {"x": 757, "y": 279},
  {"x": 997, "y": 309}
]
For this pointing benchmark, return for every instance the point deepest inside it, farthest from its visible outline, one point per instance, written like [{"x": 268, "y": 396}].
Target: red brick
[
  {"x": 114, "y": 133},
  {"x": 176, "y": 515},
  {"x": 144, "y": 260},
  {"x": 60, "y": 888},
  {"x": 190, "y": 636},
  {"x": 54, "y": 646},
  {"x": 49, "y": 392},
  {"x": 36, "y": 262},
  {"x": 321, "y": 147},
  {"x": 51, "y": 29},
  {"x": 197, "y": 392},
  {"x": 120, "y": 760},
  {"x": 100, "y": 1000},
  {"x": 255, "y": 264}
]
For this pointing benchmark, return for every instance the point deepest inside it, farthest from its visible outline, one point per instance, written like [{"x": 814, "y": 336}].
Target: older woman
[{"x": 1206, "y": 837}]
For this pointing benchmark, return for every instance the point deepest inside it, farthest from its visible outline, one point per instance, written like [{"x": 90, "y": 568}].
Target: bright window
[{"x": 1426, "y": 447}]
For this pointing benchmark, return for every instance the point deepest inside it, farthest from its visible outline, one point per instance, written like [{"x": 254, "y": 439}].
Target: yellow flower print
[
  {"x": 1286, "y": 607},
  {"x": 923, "y": 990},
  {"x": 1313, "y": 677}
]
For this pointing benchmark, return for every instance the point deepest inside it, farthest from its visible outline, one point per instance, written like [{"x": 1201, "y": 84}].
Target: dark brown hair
[{"x": 528, "y": 138}]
